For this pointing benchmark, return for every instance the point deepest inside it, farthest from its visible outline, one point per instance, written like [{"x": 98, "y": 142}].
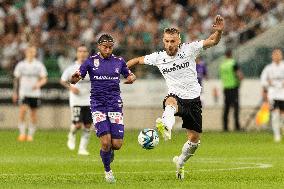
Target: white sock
[
  {"x": 84, "y": 138},
  {"x": 22, "y": 128},
  {"x": 276, "y": 124},
  {"x": 169, "y": 116},
  {"x": 31, "y": 130},
  {"x": 188, "y": 150}
]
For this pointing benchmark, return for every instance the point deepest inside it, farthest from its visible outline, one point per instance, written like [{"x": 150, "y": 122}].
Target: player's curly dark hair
[{"x": 105, "y": 38}]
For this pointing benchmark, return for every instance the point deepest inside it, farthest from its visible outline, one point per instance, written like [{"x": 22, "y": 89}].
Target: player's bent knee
[
  {"x": 116, "y": 147},
  {"x": 171, "y": 101},
  {"x": 193, "y": 136},
  {"x": 117, "y": 144},
  {"x": 105, "y": 145}
]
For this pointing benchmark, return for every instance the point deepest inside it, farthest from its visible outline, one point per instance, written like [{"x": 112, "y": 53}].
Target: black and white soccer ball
[{"x": 148, "y": 138}]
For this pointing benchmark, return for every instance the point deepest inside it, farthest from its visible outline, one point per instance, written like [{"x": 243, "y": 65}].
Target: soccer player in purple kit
[{"x": 104, "y": 70}]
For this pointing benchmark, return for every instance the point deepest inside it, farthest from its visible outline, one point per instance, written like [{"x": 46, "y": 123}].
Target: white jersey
[
  {"x": 179, "y": 71},
  {"x": 84, "y": 87},
  {"x": 29, "y": 73},
  {"x": 272, "y": 77}
]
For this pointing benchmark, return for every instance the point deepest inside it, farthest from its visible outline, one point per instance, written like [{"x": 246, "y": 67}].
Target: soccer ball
[{"x": 148, "y": 138}]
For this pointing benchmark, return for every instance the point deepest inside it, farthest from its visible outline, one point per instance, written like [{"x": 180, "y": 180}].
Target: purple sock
[{"x": 106, "y": 157}]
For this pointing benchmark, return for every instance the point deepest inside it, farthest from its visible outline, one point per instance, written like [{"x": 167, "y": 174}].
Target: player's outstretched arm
[
  {"x": 214, "y": 39},
  {"x": 134, "y": 61},
  {"x": 75, "y": 77}
]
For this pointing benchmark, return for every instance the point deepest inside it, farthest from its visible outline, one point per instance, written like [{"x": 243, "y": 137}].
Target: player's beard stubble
[{"x": 171, "y": 51}]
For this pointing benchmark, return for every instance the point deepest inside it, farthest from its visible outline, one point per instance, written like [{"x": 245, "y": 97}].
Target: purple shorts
[{"x": 108, "y": 123}]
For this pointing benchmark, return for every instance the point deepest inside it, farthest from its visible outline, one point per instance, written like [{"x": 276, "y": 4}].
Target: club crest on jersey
[
  {"x": 96, "y": 62},
  {"x": 116, "y": 70}
]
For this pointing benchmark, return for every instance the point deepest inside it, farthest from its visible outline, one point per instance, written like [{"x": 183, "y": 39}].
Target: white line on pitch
[{"x": 257, "y": 166}]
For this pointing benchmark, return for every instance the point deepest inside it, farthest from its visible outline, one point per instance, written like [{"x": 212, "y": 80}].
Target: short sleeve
[
  {"x": 151, "y": 59},
  {"x": 124, "y": 69},
  {"x": 193, "y": 48},
  {"x": 84, "y": 68},
  {"x": 17, "y": 70}
]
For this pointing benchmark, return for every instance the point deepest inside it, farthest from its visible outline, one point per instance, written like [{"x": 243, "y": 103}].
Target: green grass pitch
[{"x": 224, "y": 160}]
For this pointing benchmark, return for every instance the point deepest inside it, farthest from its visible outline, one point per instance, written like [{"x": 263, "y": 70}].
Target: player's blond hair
[{"x": 172, "y": 31}]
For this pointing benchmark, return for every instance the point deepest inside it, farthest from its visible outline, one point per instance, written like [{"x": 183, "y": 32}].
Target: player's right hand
[
  {"x": 75, "y": 77},
  {"x": 15, "y": 98},
  {"x": 130, "y": 79},
  {"x": 74, "y": 89}
]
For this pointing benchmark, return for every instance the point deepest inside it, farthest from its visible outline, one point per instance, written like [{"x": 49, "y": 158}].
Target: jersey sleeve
[
  {"x": 151, "y": 59},
  {"x": 17, "y": 70},
  {"x": 193, "y": 48},
  {"x": 124, "y": 69},
  {"x": 84, "y": 68},
  {"x": 43, "y": 71}
]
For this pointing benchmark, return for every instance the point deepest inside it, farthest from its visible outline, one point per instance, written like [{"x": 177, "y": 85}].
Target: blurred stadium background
[
  {"x": 253, "y": 28},
  {"x": 56, "y": 27}
]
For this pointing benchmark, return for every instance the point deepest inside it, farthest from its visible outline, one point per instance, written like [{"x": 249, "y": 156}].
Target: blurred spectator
[
  {"x": 201, "y": 70},
  {"x": 57, "y": 24}
]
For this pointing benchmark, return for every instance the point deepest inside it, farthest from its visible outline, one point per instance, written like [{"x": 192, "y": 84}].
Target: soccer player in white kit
[
  {"x": 177, "y": 65},
  {"x": 79, "y": 100},
  {"x": 30, "y": 75},
  {"x": 272, "y": 80}
]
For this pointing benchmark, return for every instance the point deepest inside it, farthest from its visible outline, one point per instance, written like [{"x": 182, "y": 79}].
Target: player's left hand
[
  {"x": 130, "y": 79},
  {"x": 218, "y": 25}
]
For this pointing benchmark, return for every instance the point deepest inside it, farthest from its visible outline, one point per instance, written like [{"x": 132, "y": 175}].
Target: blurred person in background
[
  {"x": 231, "y": 76},
  {"x": 104, "y": 70},
  {"x": 201, "y": 69},
  {"x": 79, "y": 100},
  {"x": 272, "y": 81},
  {"x": 30, "y": 75},
  {"x": 177, "y": 65}
]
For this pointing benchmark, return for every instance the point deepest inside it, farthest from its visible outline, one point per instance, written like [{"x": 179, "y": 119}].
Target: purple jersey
[
  {"x": 105, "y": 78},
  {"x": 201, "y": 70}
]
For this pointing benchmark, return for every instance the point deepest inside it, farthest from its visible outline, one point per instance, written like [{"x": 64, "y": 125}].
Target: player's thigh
[
  {"x": 117, "y": 125},
  {"x": 192, "y": 116},
  {"x": 101, "y": 123},
  {"x": 105, "y": 141},
  {"x": 116, "y": 143}
]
